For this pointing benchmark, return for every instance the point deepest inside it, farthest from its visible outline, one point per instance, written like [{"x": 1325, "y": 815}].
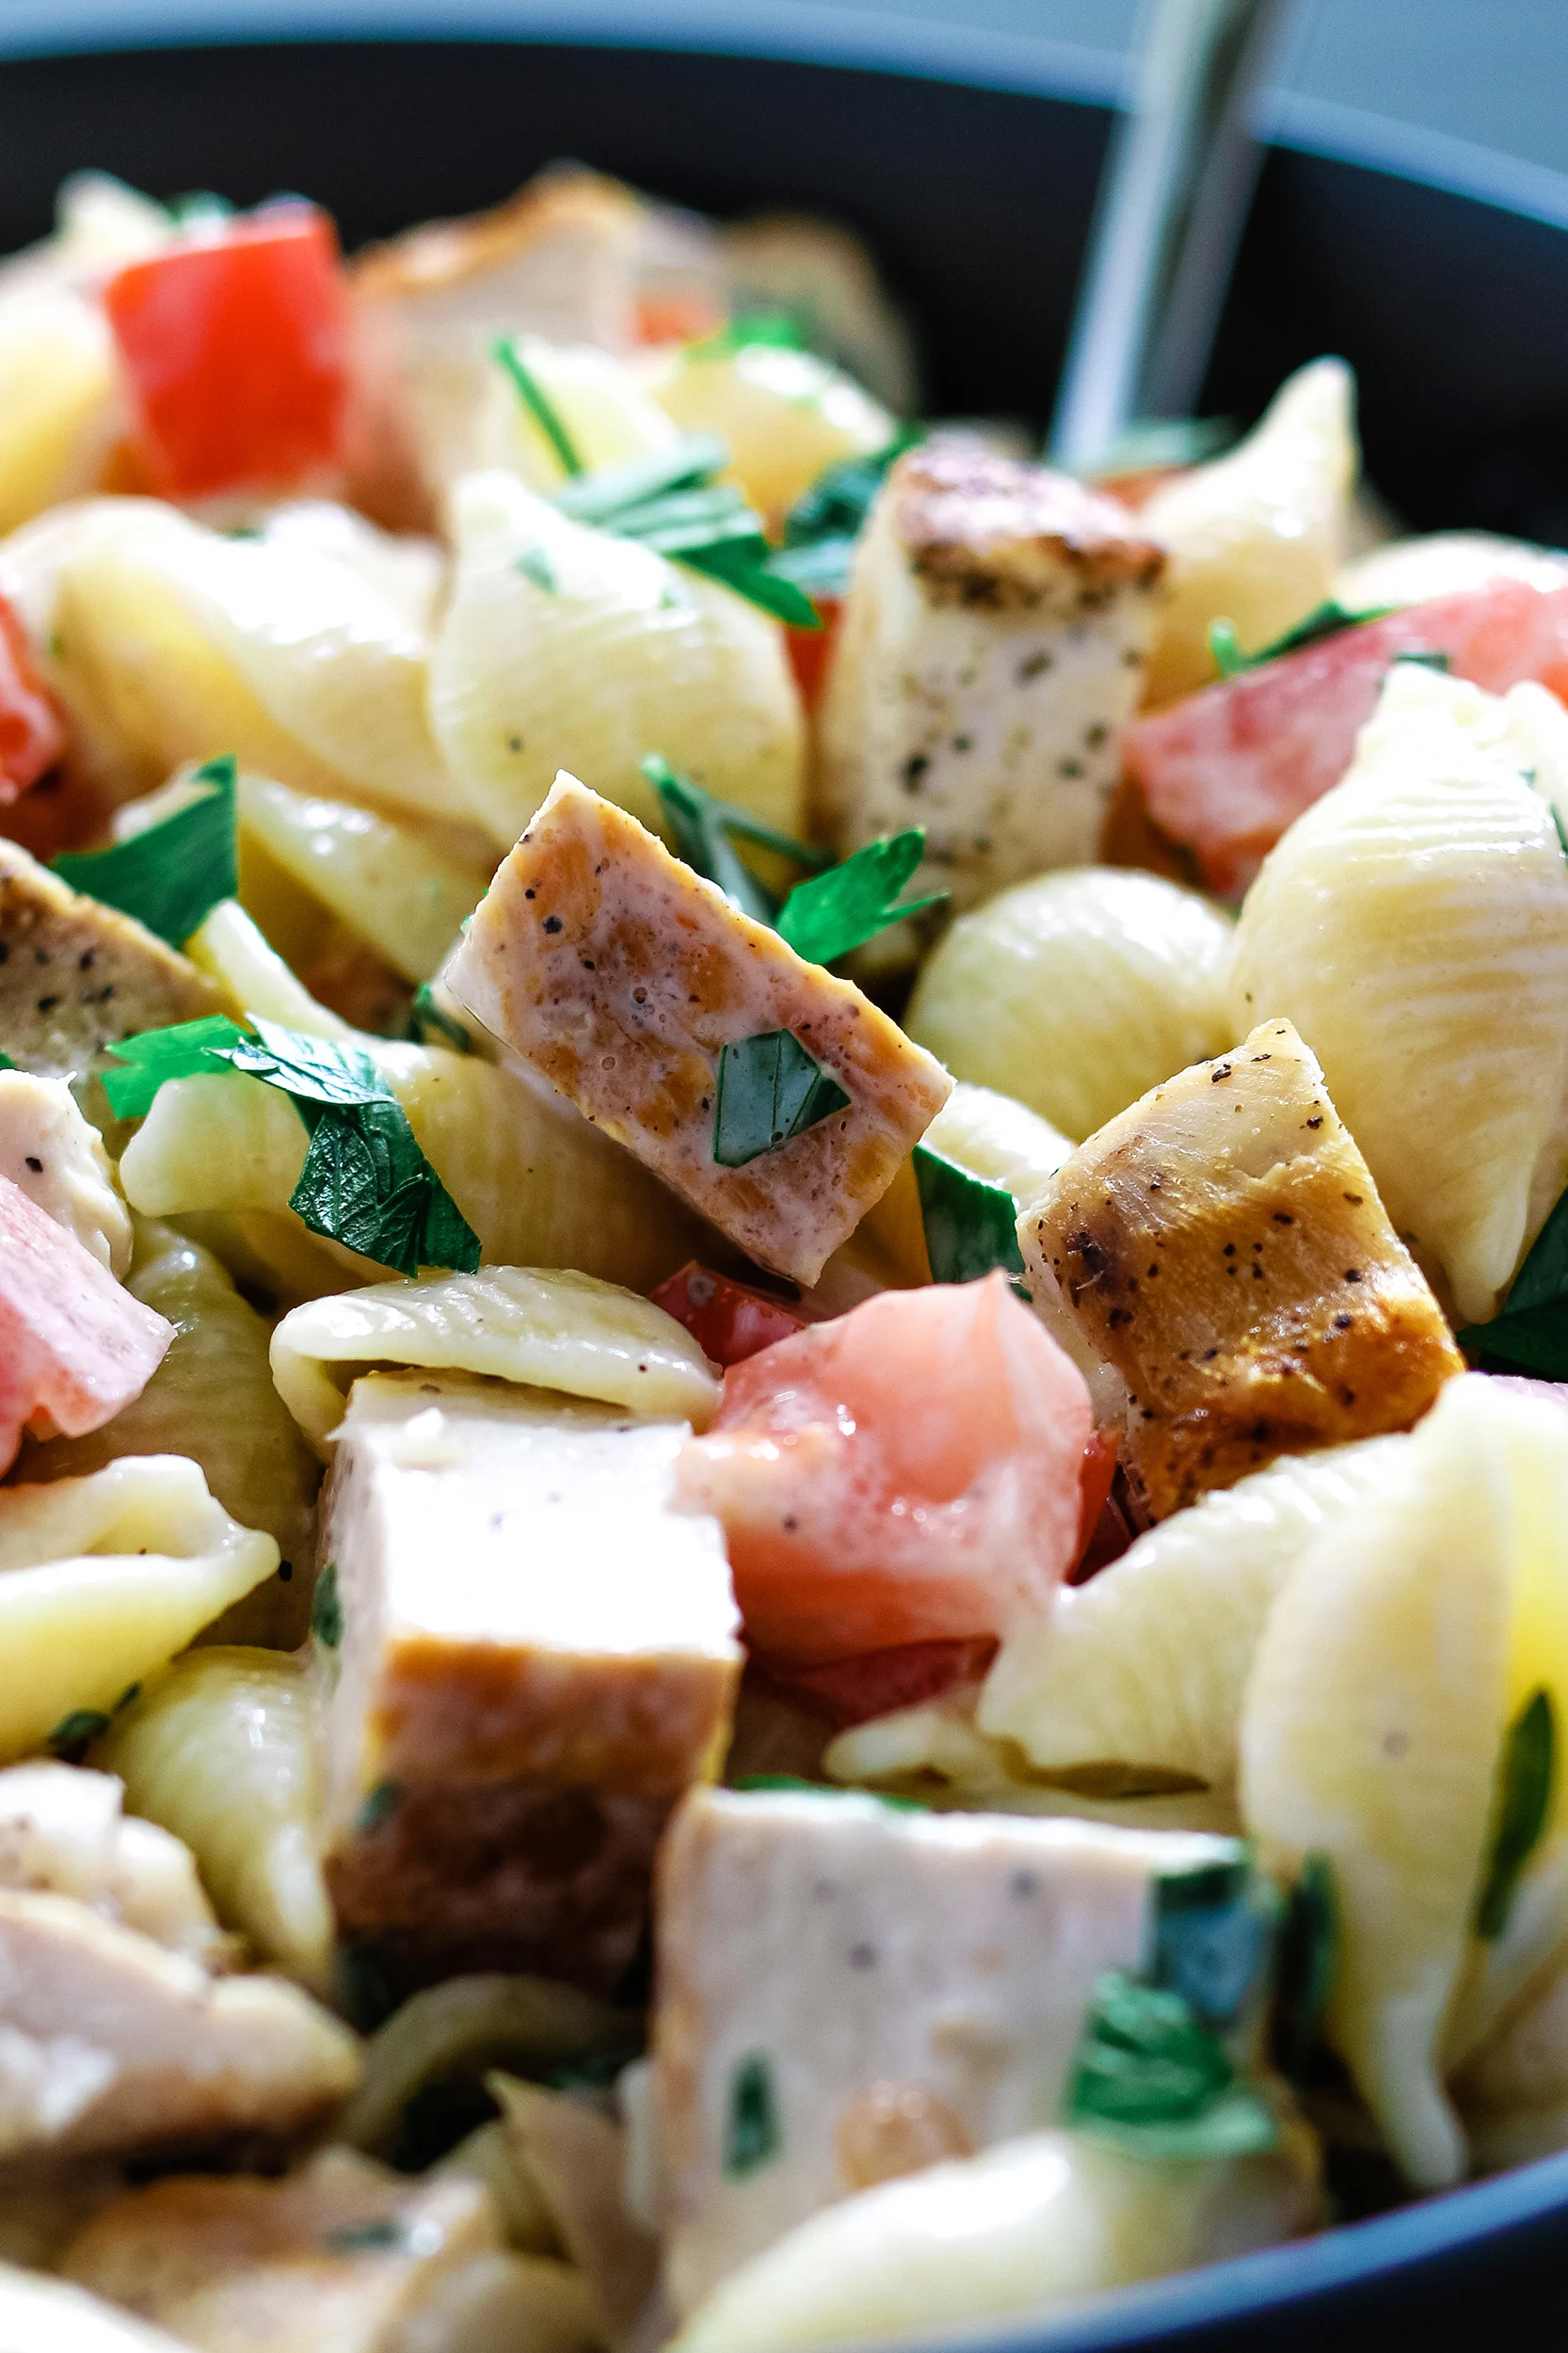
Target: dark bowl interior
[{"x": 977, "y": 202}]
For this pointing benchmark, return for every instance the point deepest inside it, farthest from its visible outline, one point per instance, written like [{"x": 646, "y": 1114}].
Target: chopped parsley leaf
[
  {"x": 826, "y": 916},
  {"x": 326, "y": 1608},
  {"x": 751, "y": 2130},
  {"x": 171, "y": 875},
  {"x": 1526, "y": 1775},
  {"x": 538, "y": 404}
]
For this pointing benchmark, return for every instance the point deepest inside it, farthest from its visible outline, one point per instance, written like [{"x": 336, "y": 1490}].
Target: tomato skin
[
  {"x": 32, "y": 738},
  {"x": 1225, "y": 770},
  {"x": 729, "y": 1322},
  {"x": 847, "y": 1691},
  {"x": 235, "y": 349},
  {"x": 811, "y": 650}
]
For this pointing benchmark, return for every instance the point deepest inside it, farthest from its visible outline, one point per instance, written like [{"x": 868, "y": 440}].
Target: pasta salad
[{"x": 783, "y": 1309}]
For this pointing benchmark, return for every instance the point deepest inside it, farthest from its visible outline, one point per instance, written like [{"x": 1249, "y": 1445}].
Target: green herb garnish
[
  {"x": 1560, "y": 828},
  {"x": 171, "y": 875},
  {"x": 1427, "y": 661},
  {"x": 1325, "y": 620},
  {"x": 1526, "y": 1775},
  {"x": 534, "y": 565},
  {"x": 822, "y": 527},
  {"x": 326, "y": 1608},
  {"x": 826, "y": 916},
  {"x": 671, "y": 503},
  {"x": 1308, "y": 1947},
  {"x": 705, "y": 829},
  {"x": 769, "y": 1090},
  {"x": 538, "y": 404},
  {"x": 1531, "y": 1333},
  {"x": 970, "y": 1225},
  {"x": 751, "y": 2131},
  {"x": 366, "y": 1181},
  {"x": 780, "y": 331},
  {"x": 1150, "y": 2075},
  {"x": 596, "y": 2071},
  {"x": 378, "y": 1806},
  {"x": 73, "y": 1731},
  {"x": 6, "y": 1063},
  {"x": 426, "y": 1014},
  {"x": 1212, "y": 1932},
  {"x": 383, "y": 2231}
]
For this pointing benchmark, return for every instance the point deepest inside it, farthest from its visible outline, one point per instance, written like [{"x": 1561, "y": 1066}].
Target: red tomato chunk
[
  {"x": 236, "y": 352},
  {"x": 31, "y": 736},
  {"x": 729, "y": 1322}
]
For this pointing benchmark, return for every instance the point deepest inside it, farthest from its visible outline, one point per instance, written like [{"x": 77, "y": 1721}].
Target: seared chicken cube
[
  {"x": 630, "y": 983},
  {"x": 1221, "y": 1244},
  {"x": 992, "y": 644},
  {"x": 848, "y": 1992},
  {"x": 536, "y": 1658},
  {"x": 76, "y": 976}
]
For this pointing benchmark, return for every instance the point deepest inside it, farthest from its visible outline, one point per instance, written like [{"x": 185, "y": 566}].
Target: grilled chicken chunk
[
  {"x": 992, "y": 644},
  {"x": 76, "y": 976},
  {"x": 1222, "y": 1244},
  {"x": 536, "y": 1657},
  {"x": 623, "y": 977}
]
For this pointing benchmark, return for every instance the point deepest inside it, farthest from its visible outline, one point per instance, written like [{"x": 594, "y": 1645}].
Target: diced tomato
[
  {"x": 729, "y": 1322},
  {"x": 911, "y": 1472},
  {"x": 1226, "y": 770},
  {"x": 677, "y": 314},
  {"x": 810, "y": 649},
  {"x": 31, "y": 736},
  {"x": 848, "y": 1691},
  {"x": 235, "y": 347},
  {"x": 76, "y": 1346},
  {"x": 1099, "y": 1469}
]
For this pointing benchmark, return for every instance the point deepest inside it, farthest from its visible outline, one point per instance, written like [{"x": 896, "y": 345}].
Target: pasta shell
[
  {"x": 1078, "y": 992},
  {"x": 1414, "y": 927},
  {"x": 551, "y": 1331},
  {"x": 1256, "y": 537},
  {"x": 1372, "y": 1733},
  {"x": 223, "y": 1750},
  {"x": 103, "y": 1579},
  {"x": 785, "y": 416},
  {"x": 1145, "y": 1665},
  {"x": 57, "y": 397},
  {"x": 598, "y": 652}
]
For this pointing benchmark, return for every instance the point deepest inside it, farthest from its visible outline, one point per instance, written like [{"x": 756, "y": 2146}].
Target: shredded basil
[
  {"x": 378, "y": 1806},
  {"x": 538, "y": 404},
  {"x": 970, "y": 1227},
  {"x": 1212, "y": 1933},
  {"x": 326, "y": 1608},
  {"x": 426, "y": 1014},
  {"x": 75, "y": 1730},
  {"x": 769, "y": 1090},
  {"x": 1149, "y": 2074},
  {"x": 1526, "y": 1775},
  {"x": 826, "y": 916},
  {"x": 1308, "y": 1948},
  {"x": 534, "y": 565},
  {"x": 822, "y": 527},
  {"x": 366, "y": 1181},
  {"x": 171, "y": 875},
  {"x": 6, "y": 1063},
  {"x": 1325, "y": 620},
  {"x": 779, "y": 329},
  {"x": 1531, "y": 1333},
  {"x": 703, "y": 827},
  {"x": 751, "y": 2131},
  {"x": 596, "y": 2071}
]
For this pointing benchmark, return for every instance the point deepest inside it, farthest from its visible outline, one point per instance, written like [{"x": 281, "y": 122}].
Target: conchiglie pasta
[
  {"x": 1078, "y": 992},
  {"x": 1414, "y": 927},
  {"x": 565, "y": 646},
  {"x": 558, "y": 1330},
  {"x": 538, "y": 1185},
  {"x": 999, "y": 1138},
  {"x": 1141, "y": 1672},
  {"x": 233, "y": 950},
  {"x": 57, "y": 397},
  {"x": 213, "y": 1398},
  {"x": 390, "y": 884},
  {"x": 1256, "y": 537},
  {"x": 1373, "y": 1728},
  {"x": 609, "y": 416},
  {"x": 103, "y": 1579},
  {"x": 784, "y": 415},
  {"x": 168, "y": 642},
  {"x": 223, "y": 1750}
]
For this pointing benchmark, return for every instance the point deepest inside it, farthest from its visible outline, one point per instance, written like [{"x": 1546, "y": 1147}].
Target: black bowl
[{"x": 1453, "y": 311}]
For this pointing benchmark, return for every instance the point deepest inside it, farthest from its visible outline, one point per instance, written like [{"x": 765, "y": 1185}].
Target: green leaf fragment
[
  {"x": 703, "y": 826},
  {"x": 600, "y": 498},
  {"x": 170, "y": 876},
  {"x": 1562, "y": 828},
  {"x": 1149, "y": 2075},
  {"x": 970, "y": 1225},
  {"x": 1526, "y": 1775},
  {"x": 538, "y": 404},
  {"x": 534, "y": 565},
  {"x": 310, "y": 1069},
  {"x": 823, "y": 526},
  {"x": 780, "y": 331},
  {"x": 367, "y": 1184},
  {"x": 190, "y": 1050},
  {"x": 381, "y": 2231},
  {"x": 1325, "y": 620},
  {"x": 1212, "y": 1935},
  {"x": 826, "y": 918},
  {"x": 1531, "y": 1333},
  {"x": 75, "y": 1730},
  {"x": 751, "y": 2131},
  {"x": 326, "y": 1608},
  {"x": 426, "y": 1014},
  {"x": 378, "y": 1806},
  {"x": 743, "y": 565},
  {"x": 6, "y": 1063},
  {"x": 769, "y": 1090},
  {"x": 1427, "y": 661}
]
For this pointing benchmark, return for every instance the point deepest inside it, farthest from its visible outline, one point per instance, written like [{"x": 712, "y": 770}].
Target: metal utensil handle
[{"x": 1178, "y": 183}]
